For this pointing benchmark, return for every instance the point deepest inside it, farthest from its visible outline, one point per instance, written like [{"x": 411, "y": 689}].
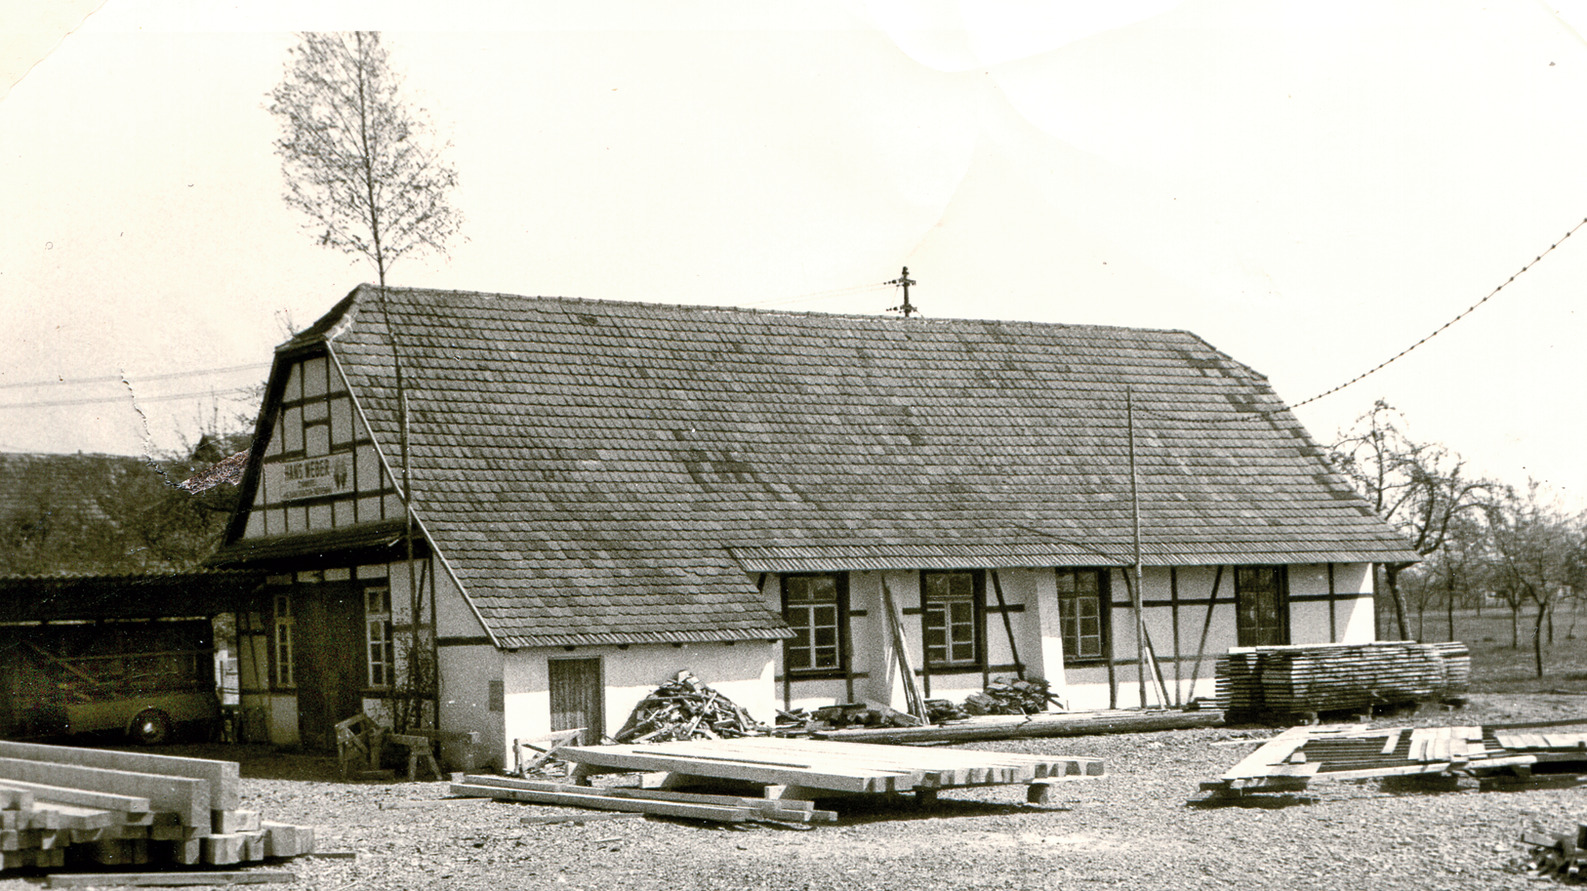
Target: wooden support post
[
  {"x": 1008, "y": 625},
  {"x": 1206, "y": 626},
  {"x": 895, "y": 621}
]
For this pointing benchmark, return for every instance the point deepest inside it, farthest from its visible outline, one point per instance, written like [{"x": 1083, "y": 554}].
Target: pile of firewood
[
  {"x": 685, "y": 708},
  {"x": 1005, "y": 696},
  {"x": 1562, "y": 856},
  {"x": 858, "y": 714}
]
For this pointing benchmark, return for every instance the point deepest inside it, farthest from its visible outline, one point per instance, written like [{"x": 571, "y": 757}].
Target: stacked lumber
[
  {"x": 1007, "y": 696},
  {"x": 1431, "y": 756},
  {"x": 812, "y": 768},
  {"x": 1562, "y": 856},
  {"x": 59, "y": 803},
  {"x": 657, "y": 802},
  {"x": 685, "y": 708},
  {"x": 1287, "y": 681}
]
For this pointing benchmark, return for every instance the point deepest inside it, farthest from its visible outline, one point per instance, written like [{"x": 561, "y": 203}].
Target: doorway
[{"x": 577, "y": 699}]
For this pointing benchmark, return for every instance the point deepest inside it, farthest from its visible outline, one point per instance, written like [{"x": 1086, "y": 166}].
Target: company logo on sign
[{"x": 311, "y": 478}]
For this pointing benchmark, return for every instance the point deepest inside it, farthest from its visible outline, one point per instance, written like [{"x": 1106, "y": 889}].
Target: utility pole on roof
[{"x": 903, "y": 281}]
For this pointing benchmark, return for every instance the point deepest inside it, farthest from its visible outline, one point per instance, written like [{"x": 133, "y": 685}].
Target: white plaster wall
[
  {"x": 466, "y": 674},
  {"x": 453, "y": 615},
  {"x": 1356, "y": 619},
  {"x": 743, "y": 672}
]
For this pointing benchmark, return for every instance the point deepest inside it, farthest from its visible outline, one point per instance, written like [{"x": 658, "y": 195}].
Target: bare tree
[
  {"x": 356, "y": 159},
  {"x": 358, "y": 163},
  {"x": 1419, "y": 488},
  {"x": 1536, "y": 553}
]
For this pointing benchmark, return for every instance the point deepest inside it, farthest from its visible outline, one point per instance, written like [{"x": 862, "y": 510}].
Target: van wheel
[{"x": 150, "y": 728}]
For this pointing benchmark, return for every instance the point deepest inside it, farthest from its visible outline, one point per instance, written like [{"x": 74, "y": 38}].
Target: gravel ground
[{"x": 1134, "y": 828}]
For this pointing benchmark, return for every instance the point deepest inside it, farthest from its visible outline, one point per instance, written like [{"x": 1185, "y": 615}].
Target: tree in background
[
  {"x": 359, "y": 164},
  {"x": 1536, "y": 554},
  {"x": 1421, "y": 489},
  {"x": 356, "y": 159}
]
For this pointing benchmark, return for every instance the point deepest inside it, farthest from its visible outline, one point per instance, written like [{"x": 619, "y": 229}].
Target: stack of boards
[
  {"x": 1287, "y": 681},
  {"x": 1498, "y": 758},
  {"x": 63, "y": 805}
]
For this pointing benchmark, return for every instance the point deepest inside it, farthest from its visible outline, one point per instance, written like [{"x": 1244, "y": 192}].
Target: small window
[
  {"x": 379, "y": 637},
  {"x": 1082, "y": 614},
  {"x": 283, "y": 640},
  {"x": 950, "y": 605},
  {"x": 812, "y": 607},
  {"x": 1261, "y": 600}
]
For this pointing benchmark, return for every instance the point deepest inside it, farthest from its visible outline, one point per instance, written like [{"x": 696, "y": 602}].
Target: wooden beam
[
  {"x": 187, "y": 797},
  {"x": 166, "y": 879},
  {"x": 224, "y": 785},
  {"x": 609, "y": 803}
]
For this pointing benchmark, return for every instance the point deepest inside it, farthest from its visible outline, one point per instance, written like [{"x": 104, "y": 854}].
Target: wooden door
[
  {"x": 328, "y": 660},
  {"x": 576, "y": 698}
]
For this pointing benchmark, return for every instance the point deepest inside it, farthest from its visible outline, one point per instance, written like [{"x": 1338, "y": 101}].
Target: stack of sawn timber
[
  {"x": 826, "y": 768},
  {"x": 61, "y": 804},
  {"x": 1284, "y": 681}
]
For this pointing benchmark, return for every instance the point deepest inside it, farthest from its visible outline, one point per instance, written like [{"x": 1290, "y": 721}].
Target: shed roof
[{"x": 598, "y": 471}]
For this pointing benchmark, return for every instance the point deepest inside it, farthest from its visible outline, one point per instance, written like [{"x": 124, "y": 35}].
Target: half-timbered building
[{"x": 509, "y": 515}]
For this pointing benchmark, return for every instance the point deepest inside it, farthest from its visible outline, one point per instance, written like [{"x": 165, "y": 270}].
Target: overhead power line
[
  {"x": 1257, "y": 415},
  {"x": 124, "y": 397},
  {"x": 1441, "y": 328},
  {"x": 116, "y": 378}
]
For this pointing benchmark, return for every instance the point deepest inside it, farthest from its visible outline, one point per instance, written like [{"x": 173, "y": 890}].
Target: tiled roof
[{"x": 611, "y": 470}]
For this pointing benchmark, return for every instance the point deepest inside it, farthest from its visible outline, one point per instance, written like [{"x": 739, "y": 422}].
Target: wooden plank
[
  {"x": 181, "y": 795},
  {"x": 1031, "y": 727},
  {"x": 226, "y": 822},
  {"x": 76, "y": 817},
  {"x": 601, "y": 802},
  {"x": 167, "y": 879},
  {"x": 773, "y": 809},
  {"x": 83, "y": 797},
  {"x": 223, "y": 776},
  {"x": 287, "y": 840},
  {"x": 1396, "y": 771},
  {"x": 1391, "y": 743}
]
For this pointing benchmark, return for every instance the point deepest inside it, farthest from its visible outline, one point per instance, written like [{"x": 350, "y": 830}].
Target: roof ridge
[{"x": 709, "y": 308}]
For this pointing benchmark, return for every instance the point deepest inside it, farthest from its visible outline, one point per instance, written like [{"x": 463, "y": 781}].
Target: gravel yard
[{"x": 1133, "y": 828}]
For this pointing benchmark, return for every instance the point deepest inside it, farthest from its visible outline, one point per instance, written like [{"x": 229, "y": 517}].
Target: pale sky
[{"x": 1310, "y": 187}]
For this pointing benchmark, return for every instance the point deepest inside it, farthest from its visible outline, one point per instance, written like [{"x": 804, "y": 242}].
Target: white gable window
[
  {"x": 812, "y": 606},
  {"x": 950, "y": 603}
]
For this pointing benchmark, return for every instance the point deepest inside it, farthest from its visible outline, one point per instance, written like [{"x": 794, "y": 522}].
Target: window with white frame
[
  {"x": 811, "y": 606},
  {"x": 1082, "y": 614},
  {"x": 949, "y": 608},
  {"x": 283, "y": 640},
  {"x": 379, "y": 637}
]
